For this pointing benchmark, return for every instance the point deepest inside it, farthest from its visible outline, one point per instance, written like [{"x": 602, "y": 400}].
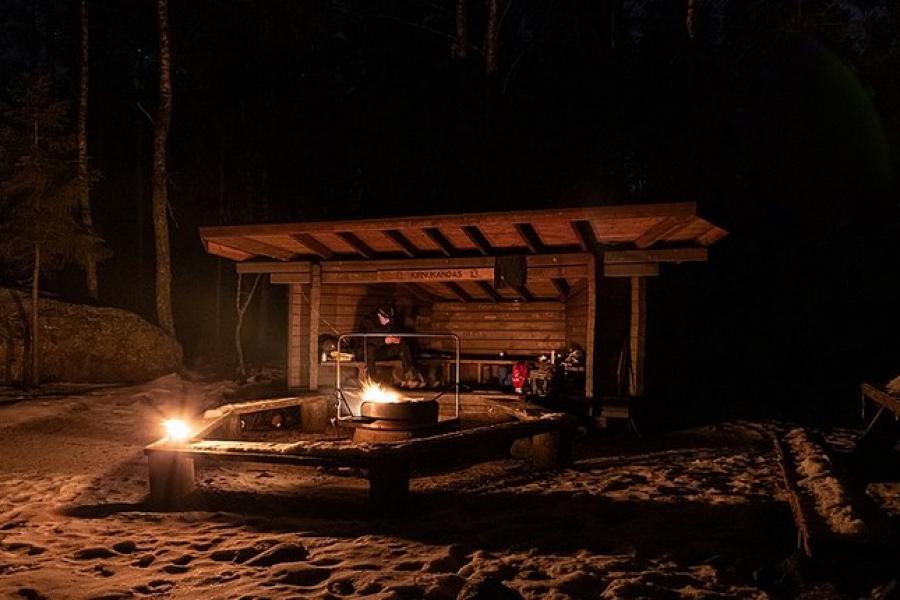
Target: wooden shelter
[{"x": 443, "y": 271}]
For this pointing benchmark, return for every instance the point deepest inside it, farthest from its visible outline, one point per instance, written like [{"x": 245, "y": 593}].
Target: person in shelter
[{"x": 387, "y": 346}]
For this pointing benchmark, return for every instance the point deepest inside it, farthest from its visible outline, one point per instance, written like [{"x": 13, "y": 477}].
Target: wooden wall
[
  {"x": 528, "y": 328},
  {"x": 341, "y": 307}
]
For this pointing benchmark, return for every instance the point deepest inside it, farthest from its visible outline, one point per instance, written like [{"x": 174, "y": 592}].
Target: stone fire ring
[{"x": 411, "y": 413}]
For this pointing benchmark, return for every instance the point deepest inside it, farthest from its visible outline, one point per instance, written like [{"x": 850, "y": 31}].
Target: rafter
[
  {"x": 665, "y": 228},
  {"x": 435, "y": 235},
  {"x": 481, "y": 242},
  {"x": 489, "y": 290},
  {"x": 358, "y": 245},
  {"x": 401, "y": 240},
  {"x": 457, "y": 291},
  {"x": 524, "y": 292},
  {"x": 562, "y": 286},
  {"x": 314, "y": 245},
  {"x": 531, "y": 238},
  {"x": 587, "y": 239}
]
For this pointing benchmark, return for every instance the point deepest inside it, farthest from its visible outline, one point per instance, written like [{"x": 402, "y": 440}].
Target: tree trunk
[
  {"x": 689, "y": 19},
  {"x": 461, "y": 44},
  {"x": 492, "y": 38},
  {"x": 160, "y": 193},
  {"x": 34, "y": 374},
  {"x": 84, "y": 180},
  {"x": 241, "y": 305}
]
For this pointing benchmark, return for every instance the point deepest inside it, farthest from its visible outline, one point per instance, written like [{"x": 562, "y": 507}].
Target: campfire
[{"x": 388, "y": 416}]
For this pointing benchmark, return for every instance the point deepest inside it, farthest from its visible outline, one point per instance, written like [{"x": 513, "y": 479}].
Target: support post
[
  {"x": 590, "y": 346},
  {"x": 315, "y": 293},
  {"x": 171, "y": 479},
  {"x": 388, "y": 485},
  {"x": 294, "y": 336},
  {"x": 637, "y": 336},
  {"x": 231, "y": 427}
]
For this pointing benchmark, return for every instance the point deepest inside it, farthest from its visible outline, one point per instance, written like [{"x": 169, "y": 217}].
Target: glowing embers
[{"x": 178, "y": 430}]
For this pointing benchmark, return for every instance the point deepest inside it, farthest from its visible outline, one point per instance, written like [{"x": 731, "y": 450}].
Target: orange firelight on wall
[{"x": 177, "y": 430}]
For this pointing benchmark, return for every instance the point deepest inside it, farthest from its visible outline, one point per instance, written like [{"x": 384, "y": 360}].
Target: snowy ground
[{"x": 694, "y": 515}]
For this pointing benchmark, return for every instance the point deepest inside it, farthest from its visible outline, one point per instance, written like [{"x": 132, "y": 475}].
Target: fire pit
[
  {"x": 395, "y": 421},
  {"x": 386, "y": 416},
  {"x": 382, "y": 415}
]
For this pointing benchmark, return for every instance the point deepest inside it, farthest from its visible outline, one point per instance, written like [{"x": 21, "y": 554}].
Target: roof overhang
[{"x": 640, "y": 227}]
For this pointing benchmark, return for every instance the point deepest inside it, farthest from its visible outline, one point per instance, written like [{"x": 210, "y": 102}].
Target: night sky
[{"x": 782, "y": 126}]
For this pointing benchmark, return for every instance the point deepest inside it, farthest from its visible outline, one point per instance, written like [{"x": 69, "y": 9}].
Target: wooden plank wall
[
  {"x": 528, "y": 328},
  {"x": 342, "y": 306}
]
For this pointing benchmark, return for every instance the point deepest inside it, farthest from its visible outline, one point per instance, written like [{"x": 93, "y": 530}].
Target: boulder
[{"x": 82, "y": 344}]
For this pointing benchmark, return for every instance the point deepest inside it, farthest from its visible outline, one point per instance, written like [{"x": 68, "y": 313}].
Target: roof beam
[
  {"x": 665, "y": 228},
  {"x": 317, "y": 247},
  {"x": 562, "y": 286},
  {"x": 401, "y": 240},
  {"x": 489, "y": 290},
  {"x": 435, "y": 235},
  {"x": 587, "y": 239},
  {"x": 676, "y": 255},
  {"x": 531, "y": 238},
  {"x": 523, "y": 291},
  {"x": 358, "y": 245},
  {"x": 274, "y": 267},
  {"x": 457, "y": 291},
  {"x": 481, "y": 242},
  {"x": 631, "y": 270}
]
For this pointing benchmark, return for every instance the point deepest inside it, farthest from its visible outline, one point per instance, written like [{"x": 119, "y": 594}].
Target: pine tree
[{"x": 40, "y": 225}]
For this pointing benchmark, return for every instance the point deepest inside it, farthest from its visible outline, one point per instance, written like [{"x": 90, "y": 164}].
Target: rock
[
  {"x": 487, "y": 588},
  {"x": 83, "y": 344}
]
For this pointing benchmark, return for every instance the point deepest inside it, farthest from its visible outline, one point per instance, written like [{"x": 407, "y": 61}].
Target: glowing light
[
  {"x": 375, "y": 392},
  {"x": 177, "y": 430}
]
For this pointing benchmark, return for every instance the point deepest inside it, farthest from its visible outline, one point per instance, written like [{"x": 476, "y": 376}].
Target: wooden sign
[{"x": 449, "y": 274}]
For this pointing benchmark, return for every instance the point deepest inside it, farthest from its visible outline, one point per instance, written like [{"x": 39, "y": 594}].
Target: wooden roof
[{"x": 472, "y": 234}]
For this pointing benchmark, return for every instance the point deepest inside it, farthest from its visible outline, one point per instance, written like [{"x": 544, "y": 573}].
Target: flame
[
  {"x": 375, "y": 392},
  {"x": 177, "y": 430}
]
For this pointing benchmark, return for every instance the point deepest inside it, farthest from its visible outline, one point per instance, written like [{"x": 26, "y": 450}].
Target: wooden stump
[
  {"x": 551, "y": 450},
  {"x": 388, "y": 486},
  {"x": 315, "y": 415},
  {"x": 171, "y": 479}
]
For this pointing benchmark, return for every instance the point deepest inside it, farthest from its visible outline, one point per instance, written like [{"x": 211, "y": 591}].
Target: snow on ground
[{"x": 687, "y": 516}]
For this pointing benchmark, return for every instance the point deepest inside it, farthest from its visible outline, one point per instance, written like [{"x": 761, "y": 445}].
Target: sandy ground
[{"x": 693, "y": 515}]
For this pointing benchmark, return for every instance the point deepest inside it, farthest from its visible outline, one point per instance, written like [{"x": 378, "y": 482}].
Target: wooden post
[
  {"x": 315, "y": 294},
  {"x": 171, "y": 479},
  {"x": 231, "y": 427},
  {"x": 388, "y": 485},
  {"x": 590, "y": 346},
  {"x": 637, "y": 336},
  {"x": 294, "y": 336}
]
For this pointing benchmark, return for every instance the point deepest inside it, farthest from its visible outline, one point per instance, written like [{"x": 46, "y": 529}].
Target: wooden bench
[{"x": 388, "y": 467}]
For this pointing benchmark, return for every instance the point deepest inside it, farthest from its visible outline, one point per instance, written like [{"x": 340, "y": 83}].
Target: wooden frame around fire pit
[{"x": 388, "y": 466}]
